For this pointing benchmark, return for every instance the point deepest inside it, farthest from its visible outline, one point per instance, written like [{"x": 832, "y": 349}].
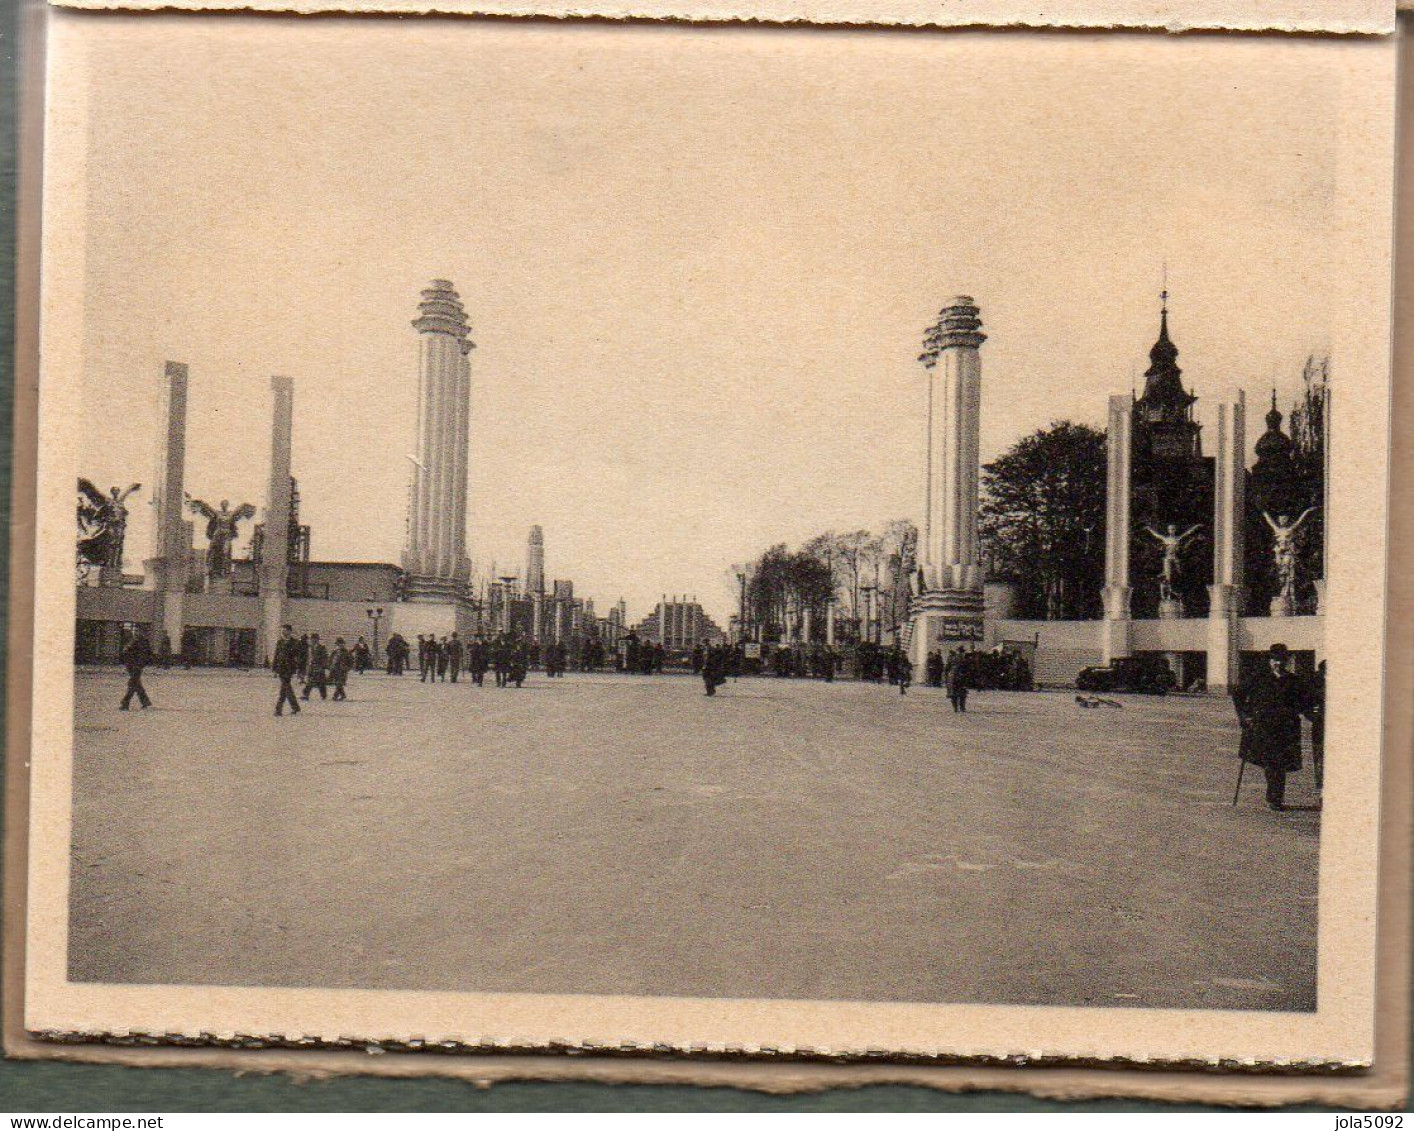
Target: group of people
[{"x": 312, "y": 662}]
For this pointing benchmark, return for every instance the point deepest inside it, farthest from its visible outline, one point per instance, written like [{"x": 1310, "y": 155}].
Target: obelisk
[
  {"x": 435, "y": 559},
  {"x": 949, "y": 610}
]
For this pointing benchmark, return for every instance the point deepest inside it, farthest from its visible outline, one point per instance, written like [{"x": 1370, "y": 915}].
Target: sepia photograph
[{"x": 717, "y": 519}]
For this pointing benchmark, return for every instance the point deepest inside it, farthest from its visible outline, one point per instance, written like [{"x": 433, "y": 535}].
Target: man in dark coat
[
  {"x": 340, "y": 661},
  {"x": 443, "y": 656},
  {"x": 362, "y": 657},
  {"x": 517, "y": 663},
  {"x": 136, "y": 656},
  {"x": 900, "y": 669},
  {"x": 935, "y": 668},
  {"x": 421, "y": 658},
  {"x": 1269, "y": 707},
  {"x": 476, "y": 661},
  {"x": 955, "y": 676},
  {"x": 316, "y": 675},
  {"x": 714, "y": 669},
  {"x": 285, "y": 664},
  {"x": 454, "y": 656}
]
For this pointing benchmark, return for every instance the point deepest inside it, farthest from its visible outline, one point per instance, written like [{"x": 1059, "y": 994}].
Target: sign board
[
  {"x": 752, "y": 650},
  {"x": 961, "y": 630}
]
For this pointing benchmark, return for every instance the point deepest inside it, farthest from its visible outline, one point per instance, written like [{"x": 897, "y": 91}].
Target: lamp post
[
  {"x": 375, "y": 615},
  {"x": 867, "y": 633},
  {"x": 741, "y": 617}
]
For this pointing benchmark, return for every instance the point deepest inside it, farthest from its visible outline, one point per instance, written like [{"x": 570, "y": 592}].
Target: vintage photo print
[{"x": 712, "y": 538}]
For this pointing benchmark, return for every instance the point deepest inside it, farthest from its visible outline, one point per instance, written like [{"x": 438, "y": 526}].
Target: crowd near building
[
  {"x": 1208, "y": 561},
  {"x": 210, "y": 606}
]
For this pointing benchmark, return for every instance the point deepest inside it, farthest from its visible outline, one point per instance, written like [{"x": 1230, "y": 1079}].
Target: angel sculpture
[
  {"x": 1284, "y": 550},
  {"x": 1172, "y": 542},
  {"x": 103, "y": 524},
  {"x": 220, "y": 532}
]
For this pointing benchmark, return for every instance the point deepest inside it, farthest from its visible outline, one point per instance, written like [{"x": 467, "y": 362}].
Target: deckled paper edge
[
  {"x": 1322, "y": 17},
  {"x": 1383, "y": 1087}
]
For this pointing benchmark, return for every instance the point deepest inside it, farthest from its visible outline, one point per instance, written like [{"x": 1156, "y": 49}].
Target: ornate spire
[
  {"x": 441, "y": 311},
  {"x": 1274, "y": 444},
  {"x": 957, "y": 325},
  {"x": 1163, "y": 380}
]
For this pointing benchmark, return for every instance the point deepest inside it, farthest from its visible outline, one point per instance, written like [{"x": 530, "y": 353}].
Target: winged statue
[
  {"x": 103, "y": 524},
  {"x": 221, "y": 532}
]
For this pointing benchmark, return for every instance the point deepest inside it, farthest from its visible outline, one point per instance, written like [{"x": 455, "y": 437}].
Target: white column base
[{"x": 1223, "y": 653}]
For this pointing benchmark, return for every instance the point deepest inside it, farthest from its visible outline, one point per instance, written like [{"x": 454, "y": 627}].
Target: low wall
[
  {"x": 1063, "y": 647},
  {"x": 111, "y": 603}
]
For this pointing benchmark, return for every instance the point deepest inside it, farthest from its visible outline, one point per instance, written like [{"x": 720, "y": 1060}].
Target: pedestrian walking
[
  {"x": 136, "y": 655},
  {"x": 316, "y": 673},
  {"x": 1270, "y": 706},
  {"x": 341, "y": 662},
  {"x": 443, "y": 658},
  {"x": 901, "y": 670},
  {"x": 362, "y": 657},
  {"x": 285, "y": 664},
  {"x": 955, "y": 677},
  {"x": 455, "y": 656},
  {"x": 714, "y": 669},
  {"x": 477, "y": 661}
]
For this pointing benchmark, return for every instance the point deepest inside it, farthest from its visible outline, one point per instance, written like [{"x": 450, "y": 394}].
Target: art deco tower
[
  {"x": 949, "y": 609},
  {"x": 435, "y": 559},
  {"x": 535, "y": 561}
]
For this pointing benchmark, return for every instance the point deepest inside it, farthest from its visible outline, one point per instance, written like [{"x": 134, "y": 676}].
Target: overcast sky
[{"x": 697, "y": 262}]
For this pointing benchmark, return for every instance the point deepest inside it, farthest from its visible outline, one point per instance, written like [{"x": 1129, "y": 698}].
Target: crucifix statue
[
  {"x": 220, "y": 532},
  {"x": 1284, "y": 551},
  {"x": 1172, "y": 542}
]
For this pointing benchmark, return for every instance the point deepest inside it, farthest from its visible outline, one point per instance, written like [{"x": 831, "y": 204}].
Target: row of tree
[
  {"x": 787, "y": 591},
  {"x": 1042, "y": 528}
]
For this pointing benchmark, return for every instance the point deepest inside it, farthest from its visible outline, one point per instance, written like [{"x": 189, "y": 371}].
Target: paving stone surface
[{"x": 624, "y": 835}]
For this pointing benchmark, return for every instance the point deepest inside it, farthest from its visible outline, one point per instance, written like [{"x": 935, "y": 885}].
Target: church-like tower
[
  {"x": 435, "y": 559},
  {"x": 1172, "y": 482}
]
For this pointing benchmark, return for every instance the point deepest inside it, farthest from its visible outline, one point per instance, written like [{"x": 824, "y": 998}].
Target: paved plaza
[{"x": 626, "y": 835}]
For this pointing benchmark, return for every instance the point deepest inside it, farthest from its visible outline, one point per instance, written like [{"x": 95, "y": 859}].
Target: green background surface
[{"x": 53, "y": 1088}]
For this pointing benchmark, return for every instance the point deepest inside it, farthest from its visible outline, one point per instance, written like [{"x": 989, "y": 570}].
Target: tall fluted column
[
  {"x": 435, "y": 558},
  {"x": 171, "y": 550},
  {"x": 950, "y": 608},
  {"x": 1114, "y": 642},
  {"x": 275, "y": 556},
  {"x": 1229, "y": 515}
]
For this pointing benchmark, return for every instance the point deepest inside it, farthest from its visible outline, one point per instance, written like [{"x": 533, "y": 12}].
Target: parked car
[{"x": 1147, "y": 675}]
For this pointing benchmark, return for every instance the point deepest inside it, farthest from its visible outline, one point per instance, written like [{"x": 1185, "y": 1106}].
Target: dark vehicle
[{"x": 1147, "y": 675}]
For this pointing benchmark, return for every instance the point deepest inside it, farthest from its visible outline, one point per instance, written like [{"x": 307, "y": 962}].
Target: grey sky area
[{"x": 697, "y": 262}]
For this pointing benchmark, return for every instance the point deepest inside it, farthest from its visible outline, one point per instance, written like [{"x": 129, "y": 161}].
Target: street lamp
[
  {"x": 741, "y": 618},
  {"x": 375, "y": 615},
  {"x": 868, "y": 633}
]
